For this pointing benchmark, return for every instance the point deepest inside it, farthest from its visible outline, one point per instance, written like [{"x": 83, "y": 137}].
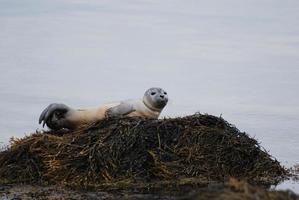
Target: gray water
[{"x": 230, "y": 57}]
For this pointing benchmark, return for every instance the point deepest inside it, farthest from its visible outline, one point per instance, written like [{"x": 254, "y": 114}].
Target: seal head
[{"x": 155, "y": 99}]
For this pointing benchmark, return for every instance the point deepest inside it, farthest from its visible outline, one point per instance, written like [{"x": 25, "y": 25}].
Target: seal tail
[{"x": 54, "y": 116}]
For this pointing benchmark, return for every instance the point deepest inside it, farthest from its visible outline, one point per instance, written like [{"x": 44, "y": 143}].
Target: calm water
[{"x": 230, "y": 57}]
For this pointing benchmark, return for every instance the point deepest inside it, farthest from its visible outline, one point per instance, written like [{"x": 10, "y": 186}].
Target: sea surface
[{"x": 238, "y": 59}]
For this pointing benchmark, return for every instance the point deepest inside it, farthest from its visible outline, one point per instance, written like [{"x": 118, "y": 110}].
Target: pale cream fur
[{"x": 77, "y": 118}]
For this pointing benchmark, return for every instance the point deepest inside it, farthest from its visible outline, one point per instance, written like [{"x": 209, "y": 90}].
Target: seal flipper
[
  {"x": 54, "y": 116},
  {"x": 120, "y": 110}
]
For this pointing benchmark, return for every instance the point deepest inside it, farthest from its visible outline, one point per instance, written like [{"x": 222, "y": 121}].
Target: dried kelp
[{"x": 124, "y": 153}]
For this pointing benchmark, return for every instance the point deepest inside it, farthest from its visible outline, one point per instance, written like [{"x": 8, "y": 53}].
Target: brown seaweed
[{"x": 141, "y": 154}]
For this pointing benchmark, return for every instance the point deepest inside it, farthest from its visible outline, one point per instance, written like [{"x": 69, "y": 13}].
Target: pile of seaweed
[{"x": 136, "y": 153}]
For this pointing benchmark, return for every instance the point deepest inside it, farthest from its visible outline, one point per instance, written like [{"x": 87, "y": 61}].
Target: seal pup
[{"x": 58, "y": 116}]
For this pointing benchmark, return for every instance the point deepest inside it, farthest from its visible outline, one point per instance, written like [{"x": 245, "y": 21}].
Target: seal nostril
[{"x": 162, "y": 96}]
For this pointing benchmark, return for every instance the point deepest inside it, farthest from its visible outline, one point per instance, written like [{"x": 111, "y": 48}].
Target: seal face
[{"x": 155, "y": 99}]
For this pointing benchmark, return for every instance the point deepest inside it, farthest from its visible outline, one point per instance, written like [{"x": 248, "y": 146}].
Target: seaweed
[{"x": 141, "y": 154}]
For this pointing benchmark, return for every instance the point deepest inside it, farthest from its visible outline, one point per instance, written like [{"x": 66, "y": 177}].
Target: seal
[{"x": 60, "y": 116}]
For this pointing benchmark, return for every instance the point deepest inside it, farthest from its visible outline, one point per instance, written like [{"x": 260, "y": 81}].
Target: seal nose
[{"x": 162, "y": 96}]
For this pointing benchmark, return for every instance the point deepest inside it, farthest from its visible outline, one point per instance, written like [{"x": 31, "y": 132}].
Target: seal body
[{"x": 58, "y": 116}]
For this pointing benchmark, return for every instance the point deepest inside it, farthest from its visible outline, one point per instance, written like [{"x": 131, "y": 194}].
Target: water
[{"x": 235, "y": 58}]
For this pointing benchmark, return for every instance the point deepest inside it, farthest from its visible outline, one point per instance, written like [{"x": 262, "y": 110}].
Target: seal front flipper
[
  {"x": 54, "y": 116},
  {"x": 122, "y": 109}
]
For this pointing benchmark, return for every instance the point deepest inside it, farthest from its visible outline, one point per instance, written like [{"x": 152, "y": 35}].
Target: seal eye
[
  {"x": 165, "y": 93},
  {"x": 153, "y": 93}
]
